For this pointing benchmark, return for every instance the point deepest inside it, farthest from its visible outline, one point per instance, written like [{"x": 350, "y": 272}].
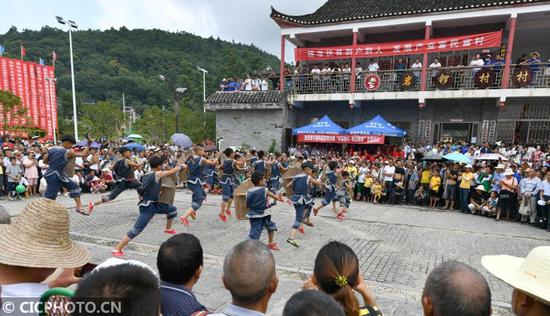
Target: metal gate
[{"x": 526, "y": 120}]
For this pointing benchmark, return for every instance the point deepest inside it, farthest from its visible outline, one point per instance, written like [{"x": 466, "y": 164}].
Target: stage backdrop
[{"x": 28, "y": 81}]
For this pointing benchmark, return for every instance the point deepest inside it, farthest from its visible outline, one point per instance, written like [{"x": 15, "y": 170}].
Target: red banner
[
  {"x": 27, "y": 80},
  {"x": 412, "y": 47},
  {"x": 341, "y": 139}
]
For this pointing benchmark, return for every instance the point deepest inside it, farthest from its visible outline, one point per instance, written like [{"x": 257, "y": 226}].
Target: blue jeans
[
  {"x": 146, "y": 213},
  {"x": 227, "y": 190},
  {"x": 258, "y": 224},
  {"x": 55, "y": 183},
  {"x": 300, "y": 210},
  {"x": 329, "y": 197},
  {"x": 464, "y": 196},
  {"x": 198, "y": 195}
]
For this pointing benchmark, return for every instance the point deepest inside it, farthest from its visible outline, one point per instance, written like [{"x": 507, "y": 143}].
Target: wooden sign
[
  {"x": 522, "y": 77},
  {"x": 444, "y": 79},
  {"x": 287, "y": 178},
  {"x": 484, "y": 78},
  {"x": 408, "y": 81},
  {"x": 240, "y": 199}
]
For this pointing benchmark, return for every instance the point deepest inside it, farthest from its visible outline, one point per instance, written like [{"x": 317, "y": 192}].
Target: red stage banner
[
  {"x": 38, "y": 97},
  {"x": 341, "y": 139},
  {"x": 412, "y": 47}
]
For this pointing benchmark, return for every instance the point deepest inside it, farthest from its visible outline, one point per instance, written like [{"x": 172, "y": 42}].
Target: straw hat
[
  {"x": 508, "y": 172},
  {"x": 500, "y": 166},
  {"x": 39, "y": 238},
  {"x": 530, "y": 275},
  {"x": 481, "y": 188}
]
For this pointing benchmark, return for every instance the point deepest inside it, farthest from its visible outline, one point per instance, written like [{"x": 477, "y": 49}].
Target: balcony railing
[{"x": 461, "y": 77}]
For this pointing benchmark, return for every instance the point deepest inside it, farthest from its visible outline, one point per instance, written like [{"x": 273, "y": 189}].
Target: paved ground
[{"x": 397, "y": 246}]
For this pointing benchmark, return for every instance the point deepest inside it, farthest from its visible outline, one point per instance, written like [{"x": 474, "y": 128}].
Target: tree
[
  {"x": 156, "y": 125},
  {"x": 104, "y": 118},
  {"x": 10, "y": 110}
]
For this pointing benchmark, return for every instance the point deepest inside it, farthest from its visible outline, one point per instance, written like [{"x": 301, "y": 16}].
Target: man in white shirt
[
  {"x": 417, "y": 68},
  {"x": 434, "y": 66},
  {"x": 388, "y": 171},
  {"x": 373, "y": 66},
  {"x": 477, "y": 63}
]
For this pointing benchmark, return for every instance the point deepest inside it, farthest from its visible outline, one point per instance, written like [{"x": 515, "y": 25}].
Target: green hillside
[{"x": 112, "y": 62}]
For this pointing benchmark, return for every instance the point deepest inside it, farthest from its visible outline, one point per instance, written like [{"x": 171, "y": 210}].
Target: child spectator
[
  {"x": 420, "y": 196},
  {"x": 491, "y": 205},
  {"x": 435, "y": 183},
  {"x": 368, "y": 186},
  {"x": 258, "y": 214},
  {"x": 13, "y": 172},
  {"x": 376, "y": 191}
]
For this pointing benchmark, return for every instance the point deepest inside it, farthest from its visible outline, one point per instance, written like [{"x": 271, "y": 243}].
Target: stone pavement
[{"x": 397, "y": 246}]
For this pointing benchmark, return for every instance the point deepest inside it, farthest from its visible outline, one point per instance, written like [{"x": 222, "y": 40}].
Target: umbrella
[
  {"x": 92, "y": 145},
  {"x": 491, "y": 157},
  {"x": 458, "y": 157},
  {"x": 182, "y": 140},
  {"x": 135, "y": 136},
  {"x": 432, "y": 157},
  {"x": 135, "y": 146}
]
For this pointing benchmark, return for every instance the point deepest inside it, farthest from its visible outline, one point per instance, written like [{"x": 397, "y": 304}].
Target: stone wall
[{"x": 257, "y": 128}]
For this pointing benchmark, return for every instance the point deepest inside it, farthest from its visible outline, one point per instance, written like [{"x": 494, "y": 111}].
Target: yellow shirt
[
  {"x": 368, "y": 182},
  {"x": 466, "y": 180},
  {"x": 425, "y": 176},
  {"x": 435, "y": 182},
  {"x": 376, "y": 189},
  {"x": 352, "y": 170}
]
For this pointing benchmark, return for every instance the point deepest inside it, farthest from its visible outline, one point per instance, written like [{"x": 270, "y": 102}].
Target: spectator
[
  {"x": 421, "y": 196},
  {"x": 478, "y": 200},
  {"x": 498, "y": 63},
  {"x": 336, "y": 272},
  {"x": 434, "y": 66},
  {"x": 476, "y": 64},
  {"x": 31, "y": 173},
  {"x": 521, "y": 61},
  {"x": 399, "y": 67},
  {"x": 488, "y": 61},
  {"x": 312, "y": 303},
  {"x": 34, "y": 246},
  {"x": 465, "y": 179},
  {"x": 373, "y": 66},
  {"x": 249, "y": 275},
  {"x": 456, "y": 289},
  {"x": 417, "y": 68},
  {"x": 13, "y": 172},
  {"x": 180, "y": 263},
  {"x": 5, "y": 217},
  {"x": 265, "y": 85},
  {"x": 528, "y": 276},
  {"x": 132, "y": 283}
]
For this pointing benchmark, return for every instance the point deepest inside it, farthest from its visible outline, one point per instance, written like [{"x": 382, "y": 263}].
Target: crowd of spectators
[{"x": 250, "y": 83}]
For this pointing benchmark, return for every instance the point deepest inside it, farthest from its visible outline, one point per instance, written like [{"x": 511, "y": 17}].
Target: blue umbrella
[
  {"x": 458, "y": 157},
  {"x": 182, "y": 140},
  {"x": 92, "y": 145},
  {"x": 135, "y": 146}
]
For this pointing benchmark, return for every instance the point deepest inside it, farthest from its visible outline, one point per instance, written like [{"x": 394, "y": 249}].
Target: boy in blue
[
  {"x": 56, "y": 175},
  {"x": 302, "y": 200},
  {"x": 330, "y": 188},
  {"x": 277, "y": 169},
  {"x": 195, "y": 182},
  {"x": 258, "y": 214},
  {"x": 149, "y": 205},
  {"x": 259, "y": 164},
  {"x": 228, "y": 181}
]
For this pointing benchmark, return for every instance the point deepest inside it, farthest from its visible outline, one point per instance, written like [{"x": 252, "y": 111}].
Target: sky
[{"x": 245, "y": 21}]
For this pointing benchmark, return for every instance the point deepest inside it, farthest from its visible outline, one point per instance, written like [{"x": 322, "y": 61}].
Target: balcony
[{"x": 459, "y": 77}]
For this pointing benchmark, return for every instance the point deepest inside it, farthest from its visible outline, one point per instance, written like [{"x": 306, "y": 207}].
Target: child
[
  {"x": 490, "y": 208},
  {"x": 301, "y": 199},
  {"x": 195, "y": 167},
  {"x": 330, "y": 188},
  {"x": 342, "y": 195},
  {"x": 259, "y": 164},
  {"x": 368, "y": 186},
  {"x": 277, "y": 169},
  {"x": 376, "y": 191},
  {"x": 149, "y": 205},
  {"x": 13, "y": 173},
  {"x": 435, "y": 182},
  {"x": 420, "y": 196},
  {"x": 258, "y": 214},
  {"x": 228, "y": 182}
]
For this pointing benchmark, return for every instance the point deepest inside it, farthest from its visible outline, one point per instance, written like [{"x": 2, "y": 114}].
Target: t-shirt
[
  {"x": 425, "y": 176},
  {"x": 388, "y": 172},
  {"x": 435, "y": 182},
  {"x": 373, "y": 67},
  {"x": 466, "y": 180}
]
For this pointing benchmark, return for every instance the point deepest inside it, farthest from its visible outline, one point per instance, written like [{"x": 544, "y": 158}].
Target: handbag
[{"x": 525, "y": 207}]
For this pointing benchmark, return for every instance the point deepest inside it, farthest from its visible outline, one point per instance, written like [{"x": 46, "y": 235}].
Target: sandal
[
  {"x": 83, "y": 212},
  {"x": 293, "y": 242}
]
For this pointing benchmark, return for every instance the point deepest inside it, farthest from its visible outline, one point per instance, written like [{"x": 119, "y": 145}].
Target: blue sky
[{"x": 244, "y": 21}]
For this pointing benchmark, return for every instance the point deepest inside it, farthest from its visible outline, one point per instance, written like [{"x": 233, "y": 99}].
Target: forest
[{"x": 114, "y": 62}]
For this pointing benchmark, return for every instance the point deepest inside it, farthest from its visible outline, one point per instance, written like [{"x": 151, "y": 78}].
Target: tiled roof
[
  {"x": 337, "y": 11},
  {"x": 245, "y": 97}
]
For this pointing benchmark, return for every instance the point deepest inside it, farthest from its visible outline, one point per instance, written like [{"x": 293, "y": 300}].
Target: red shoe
[
  {"x": 228, "y": 212},
  {"x": 273, "y": 246},
  {"x": 301, "y": 230},
  {"x": 340, "y": 217},
  {"x": 193, "y": 215},
  {"x": 184, "y": 221},
  {"x": 118, "y": 254},
  {"x": 170, "y": 231},
  {"x": 222, "y": 218},
  {"x": 90, "y": 207}
]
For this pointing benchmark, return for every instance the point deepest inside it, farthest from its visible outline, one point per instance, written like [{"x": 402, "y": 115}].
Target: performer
[
  {"x": 228, "y": 181},
  {"x": 209, "y": 172},
  {"x": 342, "y": 195},
  {"x": 123, "y": 170},
  {"x": 259, "y": 214},
  {"x": 56, "y": 176},
  {"x": 259, "y": 164},
  {"x": 330, "y": 189},
  {"x": 301, "y": 199},
  {"x": 277, "y": 169},
  {"x": 195, "y": 167},
  {"x": 149, "y": 205}
]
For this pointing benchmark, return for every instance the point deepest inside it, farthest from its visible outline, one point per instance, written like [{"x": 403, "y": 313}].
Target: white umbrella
[{"x": 491, "y": 156}]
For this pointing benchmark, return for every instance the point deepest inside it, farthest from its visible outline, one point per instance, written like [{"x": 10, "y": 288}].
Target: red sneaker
[
  {"x": 273, "y": 246},
  {"x": 193, "y": 215},
  {"x": 170, "y": 231},
  {"x": 118, "y": 253},
  {"x": 301, "y": 230},
  {"x": 90, "y": 207},
  {"x": 184, "y": 221},
  {"x": 340, "y": 217},
  {"x": 228, "y": 212},
  {"x": 222, "y": 218}
]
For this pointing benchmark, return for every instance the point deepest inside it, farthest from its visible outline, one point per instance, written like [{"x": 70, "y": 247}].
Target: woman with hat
[
  {"x": 34, "y": 246},
  {"x": 508, "y": 192},
  {"x": 465, "y": 179},
  {"x": 478, "y": 200}
]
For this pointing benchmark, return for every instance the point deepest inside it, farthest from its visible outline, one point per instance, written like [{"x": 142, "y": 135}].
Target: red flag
[{"x": 23, "y": 51}]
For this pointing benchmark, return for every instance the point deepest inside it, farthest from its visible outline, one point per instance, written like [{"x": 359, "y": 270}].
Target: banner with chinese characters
[
  {"x": 341, "y": 139},
  {"x": 412, "y": 47},
  {"x": 28, "y": 81}
]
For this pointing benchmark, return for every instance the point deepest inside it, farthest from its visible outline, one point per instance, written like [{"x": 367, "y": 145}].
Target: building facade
[{"x": 414, "y": 63}]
